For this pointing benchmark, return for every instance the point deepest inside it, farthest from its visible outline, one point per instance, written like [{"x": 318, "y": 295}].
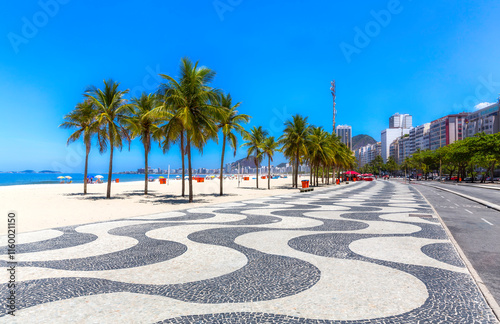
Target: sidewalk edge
[{"x": 490, "y": 300}]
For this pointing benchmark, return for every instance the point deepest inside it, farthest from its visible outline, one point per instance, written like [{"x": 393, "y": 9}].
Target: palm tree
[
  {"x": 144, "y": 122},
  {"x": 293, "y": 142},
  {"x": 230, "y": 124},
  {"x": 320, "y": 149},
  {"x": 112, "y": 110},
  {"x": 174, "y": 132},
  {"x": 343, "y": 157},
  {"x": 254, "y": 140},
  {"x": 268, "y": 147},
  {"x": 195, "y": 105},
  {"x": 337, "y": 156},
  {"x": 82, "y": 118}
]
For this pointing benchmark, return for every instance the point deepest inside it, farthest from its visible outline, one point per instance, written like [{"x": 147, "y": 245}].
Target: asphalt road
[
  {"x": 489, "y": 195},
  {"x": 475, "y": 228}
]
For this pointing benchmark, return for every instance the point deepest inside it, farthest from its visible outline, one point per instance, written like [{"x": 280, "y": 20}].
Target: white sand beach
[{"x": 52, "y": 205}]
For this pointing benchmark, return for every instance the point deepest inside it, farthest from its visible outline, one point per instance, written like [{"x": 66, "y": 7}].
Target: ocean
[{"x": 12, "y": 179}]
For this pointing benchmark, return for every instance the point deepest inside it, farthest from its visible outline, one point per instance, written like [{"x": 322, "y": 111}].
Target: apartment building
[
  {"x": 422, "y": 136},
  {"x": 446, "y": 130},
  {"x": 484, "y": 120},
  {"x": 365, "y": 154}
]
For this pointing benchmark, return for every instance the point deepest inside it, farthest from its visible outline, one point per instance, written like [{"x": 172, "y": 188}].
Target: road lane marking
[
  {"x": 487, "y": 221},
  {"x": 468, "y": 211},
  {"x": 457, "y": 204}
]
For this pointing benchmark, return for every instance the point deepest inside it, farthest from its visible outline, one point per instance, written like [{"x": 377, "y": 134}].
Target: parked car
[{"x": 468, "y": 179}]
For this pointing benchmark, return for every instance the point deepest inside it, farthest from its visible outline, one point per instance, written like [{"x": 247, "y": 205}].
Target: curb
[
  {"x": 479, "y": 201},
  {"x": 481, "y": 186},
  {"x": 475, "y": 185},
  {"x": 490, "y": 300}
]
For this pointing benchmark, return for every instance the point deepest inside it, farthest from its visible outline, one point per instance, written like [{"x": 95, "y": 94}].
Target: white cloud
[{"x": 482, "y": 105}]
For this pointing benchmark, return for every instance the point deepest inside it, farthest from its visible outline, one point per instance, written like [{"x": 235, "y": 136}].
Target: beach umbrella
[
  {"x": 161, "y": 177},
  {"x": 68, "y": 177},
  {"x": 351, "y": 172},
  {"x": 99, "y": 176},
  {"x": 60, "y": 177}
]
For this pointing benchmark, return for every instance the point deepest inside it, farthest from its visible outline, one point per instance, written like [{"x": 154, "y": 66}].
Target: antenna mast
[{"x": 332, "y": 89}]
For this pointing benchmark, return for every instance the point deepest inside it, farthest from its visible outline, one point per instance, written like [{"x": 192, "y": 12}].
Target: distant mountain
[
  {"x": 49, "y": 171},
  {"x": 244, "y": 163},
  {"x": 27, "y": 171},
  {"x": 362, "y": 140},
  {"x": 281, "y": 165}
]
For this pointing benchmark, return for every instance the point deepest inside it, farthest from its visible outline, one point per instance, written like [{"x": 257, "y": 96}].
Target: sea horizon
[{"x": 13, "y": 179}]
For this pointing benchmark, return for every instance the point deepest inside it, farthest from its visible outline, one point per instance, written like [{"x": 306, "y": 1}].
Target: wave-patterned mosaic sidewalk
[{"x": 355, "y": 253}]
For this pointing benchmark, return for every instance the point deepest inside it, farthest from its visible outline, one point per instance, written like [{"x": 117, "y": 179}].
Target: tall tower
[{"x": 332, "y": 89}]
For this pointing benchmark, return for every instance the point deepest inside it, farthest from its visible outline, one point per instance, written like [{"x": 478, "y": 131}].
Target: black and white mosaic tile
[{"x": 345, "y": 254}]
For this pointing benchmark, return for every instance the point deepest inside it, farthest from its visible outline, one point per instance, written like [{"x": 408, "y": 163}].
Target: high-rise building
[
  {"x": 399, "y": 149},
  {"x": 412, "y": 138},
  {"x": 387, "y": 137},
  {"x": 394, "y": 150},
  {"x": 400, "y": 121},
  {"x": 421, "y": 142},
  {"x": 366, "y": 154},
  {"x": 399, "y": 125},
  {"x": 485, "y": 120},
  {"x": 404, "y": 149},
  {"x": 345, "y": 134}
]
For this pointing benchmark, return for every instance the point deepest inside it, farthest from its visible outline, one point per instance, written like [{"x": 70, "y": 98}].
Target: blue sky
[{"x": 426, "y": 58}]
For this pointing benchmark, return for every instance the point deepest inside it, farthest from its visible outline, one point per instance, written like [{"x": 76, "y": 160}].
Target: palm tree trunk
[
  {"x": 269, "y": 174},
  {"x": 293, "y": 172},
  {"x": 297, "y": 169},
  {"x": 110, "y": 172},
  {"x": 87, "y": 147},
  {"x": 257, "y": 170},
  {"x": 222, "y": 164},
  {"x": 145, "y": 171},
  {"x": 183, "y": 166},
  {"x": 190, "y": 171},
  {"x": 323, "y": 175},
  {"x": 311, "y": 174}
]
